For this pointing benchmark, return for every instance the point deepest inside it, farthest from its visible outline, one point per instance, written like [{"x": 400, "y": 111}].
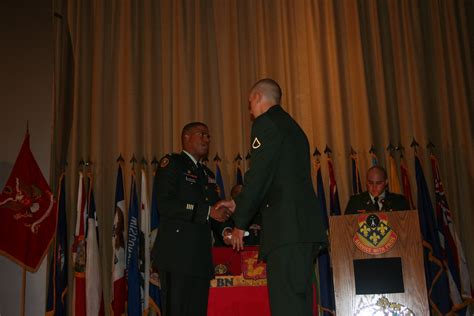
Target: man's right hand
[
  {"x": 229, "y": 204},
  {"x": 220, "y": 214}
]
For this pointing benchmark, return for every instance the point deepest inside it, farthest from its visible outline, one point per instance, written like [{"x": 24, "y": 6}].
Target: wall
[{"x": 26, "y": 63}]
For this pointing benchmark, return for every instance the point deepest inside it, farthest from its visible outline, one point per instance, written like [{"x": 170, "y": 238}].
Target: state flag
[
  {"x": 119, "y": 283},
  {"x": 79, "y": 252},
  {"x": 133, "y": 273}
]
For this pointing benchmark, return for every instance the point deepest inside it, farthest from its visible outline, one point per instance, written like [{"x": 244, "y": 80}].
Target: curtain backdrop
[{"x": 353, "y": 73}]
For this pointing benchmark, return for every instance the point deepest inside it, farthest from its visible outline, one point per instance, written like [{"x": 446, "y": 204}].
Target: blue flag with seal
[
  {"x": 133, "y": 273},
  {"x": 154, "y": 289},
  {"x": 220, "y": 182},
  {"x": 435, "y": 273}
]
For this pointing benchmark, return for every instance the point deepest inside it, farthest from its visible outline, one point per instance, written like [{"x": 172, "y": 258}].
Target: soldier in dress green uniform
[
  {"x": 279, "y": 185},
  {"x": 377, "y": 197},
  {"x": 182, "y": 251}
]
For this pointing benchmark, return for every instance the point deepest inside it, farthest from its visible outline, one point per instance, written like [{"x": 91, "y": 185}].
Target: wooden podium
[{"x": 402, "y": 240}]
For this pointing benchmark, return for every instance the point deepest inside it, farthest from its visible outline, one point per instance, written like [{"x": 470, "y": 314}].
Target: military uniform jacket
[
  {"x": 184, "y": 195},
  {"x": 279, "y": 184},
  {"x": 362, "y": 202}
]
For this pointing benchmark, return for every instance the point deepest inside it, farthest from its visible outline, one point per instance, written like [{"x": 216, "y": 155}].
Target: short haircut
[
  {"x": 379, "y": 168},
  {"x": 190, "y": 126},
  {"x": 269, "y": 88}
]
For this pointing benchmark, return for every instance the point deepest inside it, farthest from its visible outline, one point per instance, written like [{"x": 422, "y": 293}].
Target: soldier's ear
[{"x": 186, "y": 138}]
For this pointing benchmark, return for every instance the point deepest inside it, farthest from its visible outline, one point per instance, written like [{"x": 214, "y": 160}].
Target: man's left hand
[{"x": 237, "y": 239}]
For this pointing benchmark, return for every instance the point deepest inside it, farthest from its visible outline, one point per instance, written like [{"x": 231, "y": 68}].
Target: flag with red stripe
[{"x": 460, "y": 290}]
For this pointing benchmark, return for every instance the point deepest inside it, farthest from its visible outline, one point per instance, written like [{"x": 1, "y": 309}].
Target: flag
[
  {"x": 133, "y": 274},
  {"x": 57, "y": 283},
  {"x": 326, "y": 287},
  {"x": 144, "y": 248},
  {"x": 239, "y": 177},
  {"x": 406, "y": 182},
  {"x": 119, "y": 284},
  {"x": 334, "y": 206},
  {"x": 28, "y": 213},
  {"x": 154, "y": 289},
  {"x": 220, "y": 182},
  {"x": 79, "y": 252},
  {"x": 373, "y": 157},
  {"x": 436, "y": 278},
  {"x": 393, "y": 181},
  {"x": 356, "y": 184},
  {"x": 460, "y": 290},
  {"x": 94, "y": 297}
]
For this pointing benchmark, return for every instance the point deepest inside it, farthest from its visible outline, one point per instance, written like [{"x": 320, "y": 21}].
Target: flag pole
[{"x": 23, "y": 290}]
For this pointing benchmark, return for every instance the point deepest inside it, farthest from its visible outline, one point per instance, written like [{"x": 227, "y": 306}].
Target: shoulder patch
[
  {"x": 164, "y": 162},
  {"x": 256, "y": 143}
]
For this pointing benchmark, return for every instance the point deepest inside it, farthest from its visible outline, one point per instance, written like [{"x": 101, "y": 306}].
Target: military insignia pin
[
  {"x": 256, "y": 143},
  {"x": 164, "y": 162},
  {"x": 221, "y": 269},
  {"x": 374, "y": 235}
]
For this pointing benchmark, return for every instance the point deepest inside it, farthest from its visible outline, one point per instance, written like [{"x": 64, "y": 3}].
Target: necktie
[
  {"x": 376, "y": 203},
  {"x": 200, "y": 171}
]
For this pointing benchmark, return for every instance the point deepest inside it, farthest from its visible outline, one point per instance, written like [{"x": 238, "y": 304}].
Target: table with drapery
[{"x": 240, "y": 285}]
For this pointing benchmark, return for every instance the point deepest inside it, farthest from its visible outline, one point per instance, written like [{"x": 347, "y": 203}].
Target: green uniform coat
[
  {"x": 183, "y": 243},
  {"x": 279, "y": 184}
]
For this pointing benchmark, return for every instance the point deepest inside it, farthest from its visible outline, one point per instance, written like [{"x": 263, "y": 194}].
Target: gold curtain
[{"x": 353, "y": 73}]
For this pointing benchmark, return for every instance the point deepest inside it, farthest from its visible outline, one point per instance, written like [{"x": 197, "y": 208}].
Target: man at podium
[{"x": 377, "y": 197}]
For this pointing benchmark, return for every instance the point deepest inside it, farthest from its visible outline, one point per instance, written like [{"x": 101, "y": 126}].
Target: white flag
[{"x": 93, "y": 281}]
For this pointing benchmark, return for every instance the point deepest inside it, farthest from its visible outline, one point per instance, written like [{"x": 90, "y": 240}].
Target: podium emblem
[{"x": 374, "y": 235}]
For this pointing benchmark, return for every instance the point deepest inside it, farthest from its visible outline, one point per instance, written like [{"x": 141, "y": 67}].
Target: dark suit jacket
[
  {"x": 184, "y": 195},
  {"x": 279, "y": 185},
  {"x": 362, "y": 202}
]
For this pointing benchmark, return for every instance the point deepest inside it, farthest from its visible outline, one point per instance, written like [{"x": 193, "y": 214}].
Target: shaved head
[{"x": 269, "y": 89}]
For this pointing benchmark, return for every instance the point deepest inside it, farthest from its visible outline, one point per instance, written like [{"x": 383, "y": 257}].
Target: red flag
[{"x": 28, "y": 213}]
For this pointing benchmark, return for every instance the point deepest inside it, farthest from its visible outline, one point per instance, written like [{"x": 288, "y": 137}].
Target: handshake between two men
[{"x": 221, "y": 212}]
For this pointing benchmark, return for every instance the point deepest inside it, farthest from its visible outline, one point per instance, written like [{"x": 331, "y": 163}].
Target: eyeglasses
[{"x": 203, "y": 134}]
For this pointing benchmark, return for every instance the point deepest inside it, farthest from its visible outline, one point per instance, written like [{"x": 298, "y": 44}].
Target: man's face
[
  {"x": 196, "y": 142},
  {"x": 376, "y": 182}
]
